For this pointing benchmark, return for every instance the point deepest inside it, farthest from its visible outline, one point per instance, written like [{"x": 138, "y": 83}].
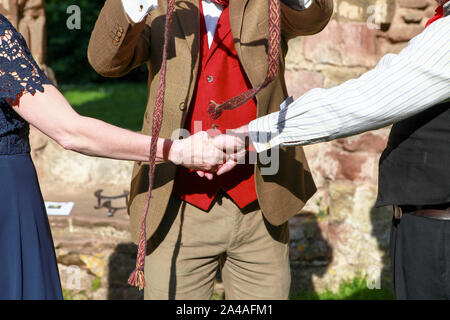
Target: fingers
[
  {"x": 209, "y": 175},
  {"x": 214, "y": 159},
  {"x": 201, "y": 174},
  {"x": 210, "y": 152},
  {"x": 227, "y": 167},
  {"x": 226, "y": 143},
  {"x": 231, "y": 149},
  {"x": 231, "y": 142}
]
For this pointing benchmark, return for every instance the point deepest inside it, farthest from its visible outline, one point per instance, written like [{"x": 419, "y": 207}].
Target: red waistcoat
[{"x": 220, "y": 77}]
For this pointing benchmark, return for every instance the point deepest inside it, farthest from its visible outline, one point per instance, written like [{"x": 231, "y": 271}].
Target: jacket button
[
  {"x": 182, "y": 106},
  {"x": 210, "y": 79}
]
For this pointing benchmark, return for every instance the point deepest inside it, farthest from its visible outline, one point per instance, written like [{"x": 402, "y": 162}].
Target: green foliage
[
  {"x": 355, "y": 289},
  {"x": 323, "y": 211},
  {"x": 67, "y": 49},
  {"x": 96, "y": 284},
  {"x": 120, "y": 104},
  {"x": 218, "y": 296},
  {"x": 67, "y": 294}
]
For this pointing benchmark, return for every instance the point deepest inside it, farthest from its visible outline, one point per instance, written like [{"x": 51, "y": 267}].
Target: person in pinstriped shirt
[{"x": 411, "y": 90}]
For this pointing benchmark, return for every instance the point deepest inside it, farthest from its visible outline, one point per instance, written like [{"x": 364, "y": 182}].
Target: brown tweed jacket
[{"x": 117, "y": 46}]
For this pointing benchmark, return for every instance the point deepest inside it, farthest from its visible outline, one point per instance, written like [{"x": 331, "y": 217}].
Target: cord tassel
[{"x": 137, "y": 279}]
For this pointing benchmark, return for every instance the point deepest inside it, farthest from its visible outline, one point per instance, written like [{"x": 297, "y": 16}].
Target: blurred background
[{"x": 339, "y": 242}]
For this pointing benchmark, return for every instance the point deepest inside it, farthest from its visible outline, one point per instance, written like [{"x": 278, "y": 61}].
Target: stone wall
[{"x": 339, "y": 234}]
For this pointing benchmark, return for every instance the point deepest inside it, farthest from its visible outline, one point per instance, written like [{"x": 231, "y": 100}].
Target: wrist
[{"x": 174, "y": 154}]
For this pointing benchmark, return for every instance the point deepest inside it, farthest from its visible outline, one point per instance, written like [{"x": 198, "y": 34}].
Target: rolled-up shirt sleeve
[
  {"x": 138, "y": 10},
  {"x": 398, "y": 87}
]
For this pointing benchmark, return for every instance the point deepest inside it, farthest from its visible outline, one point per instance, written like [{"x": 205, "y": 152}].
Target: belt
[{"x": 439, "y": 212}]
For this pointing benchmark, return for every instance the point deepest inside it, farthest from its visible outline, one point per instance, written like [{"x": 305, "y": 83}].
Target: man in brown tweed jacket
[{"x": 186, "y": 244}]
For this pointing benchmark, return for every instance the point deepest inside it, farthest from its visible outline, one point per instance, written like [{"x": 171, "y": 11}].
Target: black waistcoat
[{"x": 415, "y": 167}]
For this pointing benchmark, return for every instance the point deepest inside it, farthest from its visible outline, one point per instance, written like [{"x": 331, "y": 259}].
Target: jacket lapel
[
  {"x": 221, "y": 34},
  {"x": 188, "y": 18},
  {"x": 237, "y": 8}
]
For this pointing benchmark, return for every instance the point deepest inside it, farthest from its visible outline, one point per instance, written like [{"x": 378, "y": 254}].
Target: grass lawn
[
  {"x": 355, "y": 289},
  {"x": 120, "y": 104}
]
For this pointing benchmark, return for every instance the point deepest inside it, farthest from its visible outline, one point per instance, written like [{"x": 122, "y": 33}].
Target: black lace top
[{"x": 19, "y": 74}]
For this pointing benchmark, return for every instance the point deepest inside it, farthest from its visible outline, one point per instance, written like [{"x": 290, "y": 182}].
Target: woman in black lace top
[{"x": 28, "y": 268}]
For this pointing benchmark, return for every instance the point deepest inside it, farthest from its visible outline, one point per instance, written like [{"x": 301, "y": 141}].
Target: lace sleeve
[{"x": 19, "y": 72}]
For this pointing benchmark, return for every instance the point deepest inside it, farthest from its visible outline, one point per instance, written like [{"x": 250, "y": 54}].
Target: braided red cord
[{"x": 137, "y": 277}]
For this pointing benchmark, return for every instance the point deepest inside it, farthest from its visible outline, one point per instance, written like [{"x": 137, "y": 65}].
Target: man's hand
[
  {"x": 198, "y": 152},
  {"x": 235, "y": 145}
]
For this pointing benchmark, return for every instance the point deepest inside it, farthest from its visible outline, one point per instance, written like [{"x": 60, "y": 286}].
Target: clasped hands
[{"x": 211, "y": 152}]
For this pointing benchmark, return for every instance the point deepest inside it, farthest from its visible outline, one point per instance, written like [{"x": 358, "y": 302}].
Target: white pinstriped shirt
[{"x": 398, "y": 87}]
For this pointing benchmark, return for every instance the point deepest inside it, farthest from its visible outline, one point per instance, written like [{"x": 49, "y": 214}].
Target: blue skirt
[{"x": 28, "y": 267}]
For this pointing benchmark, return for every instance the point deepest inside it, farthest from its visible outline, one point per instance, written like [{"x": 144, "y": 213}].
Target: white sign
[{"x": 59, "y": 208}]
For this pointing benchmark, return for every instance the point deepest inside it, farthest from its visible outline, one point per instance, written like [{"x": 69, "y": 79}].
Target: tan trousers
[{"x": 191, "y": 244}]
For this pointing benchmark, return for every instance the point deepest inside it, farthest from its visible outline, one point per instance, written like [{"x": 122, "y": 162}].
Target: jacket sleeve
[
  {"x": 118, "y": 45},
  {"x": 310, "y": 21}
]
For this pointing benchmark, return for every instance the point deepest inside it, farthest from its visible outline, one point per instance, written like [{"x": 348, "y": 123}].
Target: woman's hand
[{"x": 51, "y": 113}]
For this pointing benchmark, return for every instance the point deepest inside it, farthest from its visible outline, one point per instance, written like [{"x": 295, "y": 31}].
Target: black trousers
[{"x": 420, "y": 255}]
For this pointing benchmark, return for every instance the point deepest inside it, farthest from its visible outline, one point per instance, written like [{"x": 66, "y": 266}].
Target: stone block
[
  {"x": 299, "y": 82},
  {"x": 334, "y": 76},
  {"x": 351, "y": 11},
  {"x": 95, "y": 264},
  {"x": 295, "y": 57},
  {"x": 368, "y": 12},
  {"x": 412, "y": 16},
  {"x": 366, "y": 142},
  {"x": 341, "y": 200},
  {"x": 385, "y": 46},
  {"x": 414, "y": 4},
  {"x": 350, "y": 44},
  {"x": 352, "y": 167},
  {"x": 399, "y": 33}
]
